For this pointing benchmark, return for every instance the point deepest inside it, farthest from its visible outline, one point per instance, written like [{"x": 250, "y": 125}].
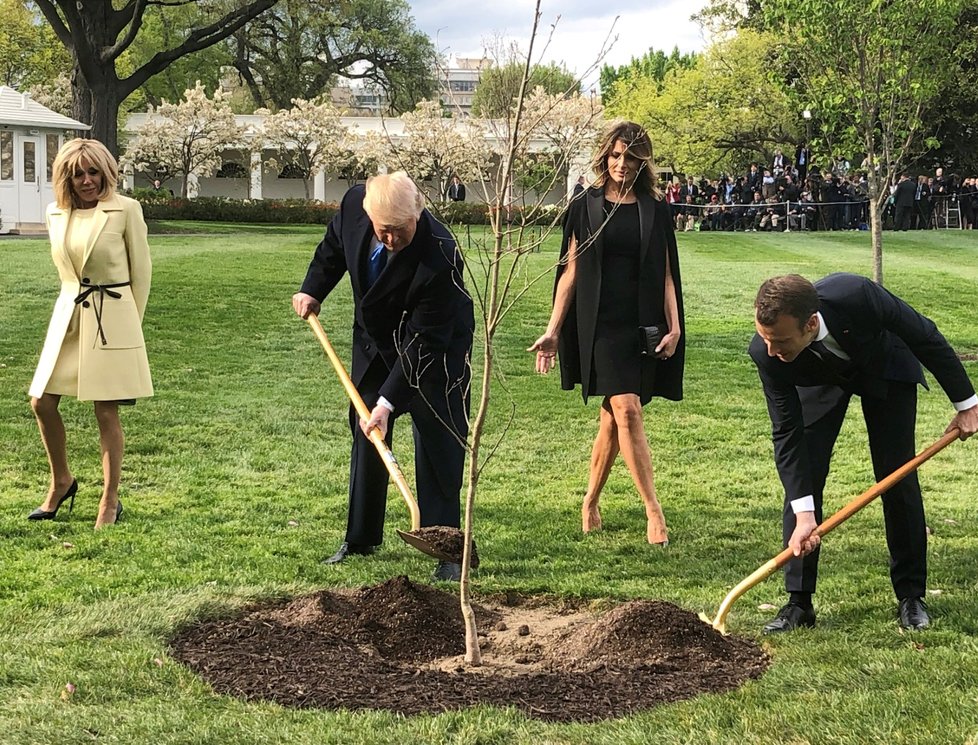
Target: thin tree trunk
[
  {"x": 875, "y": 224},
  {"x": 473, "y": 654}
]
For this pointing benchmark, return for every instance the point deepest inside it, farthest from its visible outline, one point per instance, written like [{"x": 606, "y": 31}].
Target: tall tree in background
[
  {"x": 653, "y": 65},
  {"x": 96, "y": 34},
  {"x": 29, "y": 52},
  {"x": 499, "y": 86},
  {"x": 868, "y": 69},
  {"x": 954, "y": 112},
  {"x": 298, "y": 49},
  {"x": 720, "y": 114}
]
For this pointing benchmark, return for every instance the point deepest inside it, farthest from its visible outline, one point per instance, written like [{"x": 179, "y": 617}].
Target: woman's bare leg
[
  {"x": 112, "y": 442},
  {"x": 603, "y": 454},
  {"x": 53, "y": 436},
  {"x": 635, "y": 450}
]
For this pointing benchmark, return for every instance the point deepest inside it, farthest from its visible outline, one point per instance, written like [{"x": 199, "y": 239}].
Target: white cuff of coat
[
  {"x": 803, "y": 504},
  {"x": 965, "y": 405},
  {"x": 386, "y": 404}
]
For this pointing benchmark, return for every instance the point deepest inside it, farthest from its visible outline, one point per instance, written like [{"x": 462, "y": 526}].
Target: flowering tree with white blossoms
[
  {"x": 306, "y": 139},
  {"x": 436, "y": 148},
  {"x": 186, "y": 138},
  {"x": 360, "y": 155},
  {"x": 557, "y": 128}
]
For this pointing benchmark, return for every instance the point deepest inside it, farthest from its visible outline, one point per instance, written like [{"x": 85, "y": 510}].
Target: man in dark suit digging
[
  {"x": 412, "y": 337},
  {"x": 816, "y": 346}
]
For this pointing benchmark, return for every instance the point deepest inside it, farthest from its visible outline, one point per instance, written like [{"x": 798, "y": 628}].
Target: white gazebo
[{"x": 30, "y": 135}]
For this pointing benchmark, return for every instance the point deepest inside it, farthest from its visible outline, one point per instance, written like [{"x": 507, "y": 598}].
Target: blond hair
[
  {"x": 69, "y": 160},
  {"x": 393, "y": 199},
  {"x": 637, "y": 144}
]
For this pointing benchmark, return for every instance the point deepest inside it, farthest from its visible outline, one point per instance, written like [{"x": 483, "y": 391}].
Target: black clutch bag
[{"x": 649, "y": 338}]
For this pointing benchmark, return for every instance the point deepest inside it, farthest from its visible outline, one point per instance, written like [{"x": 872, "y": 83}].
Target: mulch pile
[{"x": 398, "y": 646}]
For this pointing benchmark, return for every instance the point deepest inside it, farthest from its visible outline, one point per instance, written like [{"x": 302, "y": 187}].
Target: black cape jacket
[{"x": 584, "y": 218}]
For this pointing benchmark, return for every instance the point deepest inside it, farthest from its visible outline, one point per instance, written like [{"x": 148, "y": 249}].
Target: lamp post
[{"x": 807, "y": 116}]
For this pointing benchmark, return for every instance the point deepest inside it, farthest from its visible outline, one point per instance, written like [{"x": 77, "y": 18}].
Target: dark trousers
[
  {"x": 439, "y": 419},
  {"x": 903, "y": 217},
  {"x": 890, "y": 423}
]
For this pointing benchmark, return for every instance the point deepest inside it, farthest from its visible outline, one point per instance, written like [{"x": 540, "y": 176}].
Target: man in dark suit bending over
[
  {"x": 817, "y": 345},
  {"x": 412, "y": 337}
]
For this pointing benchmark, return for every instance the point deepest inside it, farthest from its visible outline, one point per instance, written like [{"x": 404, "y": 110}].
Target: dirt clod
[{"x": 397, "y": 646}]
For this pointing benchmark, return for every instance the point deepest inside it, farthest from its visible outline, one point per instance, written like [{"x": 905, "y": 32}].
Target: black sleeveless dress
[{"x": 617, "y": 358}]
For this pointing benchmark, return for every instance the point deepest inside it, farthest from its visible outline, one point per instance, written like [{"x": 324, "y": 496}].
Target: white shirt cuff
[
  {"x": 965, "y": 405},
  {"x": 386, "y": 404},
  {"x": 803, "y": 504}
]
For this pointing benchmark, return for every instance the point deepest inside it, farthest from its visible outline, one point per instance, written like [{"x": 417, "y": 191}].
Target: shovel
[
  {"x": 765, "y": 571},
  {"x": 415, "y": 538}
]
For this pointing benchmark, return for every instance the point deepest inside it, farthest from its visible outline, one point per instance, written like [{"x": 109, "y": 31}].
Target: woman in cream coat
[{"x": 94, "y": 348}]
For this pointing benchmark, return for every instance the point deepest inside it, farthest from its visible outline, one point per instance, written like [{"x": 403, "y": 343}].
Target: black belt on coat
[{"x": 102, "y": 291}]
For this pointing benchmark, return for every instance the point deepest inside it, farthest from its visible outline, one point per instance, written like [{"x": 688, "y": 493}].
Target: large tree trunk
[{"x": 98, "y": 106}]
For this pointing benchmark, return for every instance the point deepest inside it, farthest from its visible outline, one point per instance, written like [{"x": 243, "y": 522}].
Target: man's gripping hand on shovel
[
  {"x": 804, "y": 540},
  {"x": 966, "y": 422}
]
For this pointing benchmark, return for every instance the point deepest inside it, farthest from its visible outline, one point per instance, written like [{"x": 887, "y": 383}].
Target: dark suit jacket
[
  {"x": 456, "y": 192},
  {"x": 576, "y": 343},
  {"x": 905, "y": 194},
  {"x": 417, "y": 309},
  {"x": 882, "y": 335}
]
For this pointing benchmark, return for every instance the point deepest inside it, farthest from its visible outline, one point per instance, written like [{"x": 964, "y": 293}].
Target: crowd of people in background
[{"x": 795, "y": 195}]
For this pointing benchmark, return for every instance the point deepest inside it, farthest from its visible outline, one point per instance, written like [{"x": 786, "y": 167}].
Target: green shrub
[
  {"x": 293, "y": 211},
  {"x": 222, "y": 209}
]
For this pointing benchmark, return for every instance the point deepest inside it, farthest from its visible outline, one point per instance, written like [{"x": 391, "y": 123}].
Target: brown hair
[
  {"x": 638, "y": 145},
  {"x": 69, "y": 159},
  {"x": 791, "y": 295}
]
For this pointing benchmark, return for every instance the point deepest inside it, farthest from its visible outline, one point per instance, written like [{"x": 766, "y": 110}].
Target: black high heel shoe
[{"x": 40, "y": 514}]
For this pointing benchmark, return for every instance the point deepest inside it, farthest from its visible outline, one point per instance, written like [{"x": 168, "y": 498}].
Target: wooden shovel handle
[
  {"x": 375, "y": 437},
  {"x": 826, "y": 526}
]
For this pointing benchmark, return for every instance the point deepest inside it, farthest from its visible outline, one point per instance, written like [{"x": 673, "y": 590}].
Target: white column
[
  {"x": 193, "y": 185},
  {"x": 319, "y": 186},
  {"x": 255, "y": 191}
]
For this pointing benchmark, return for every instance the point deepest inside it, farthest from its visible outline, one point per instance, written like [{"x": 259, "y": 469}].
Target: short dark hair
[{"x": 790, "y": 294}]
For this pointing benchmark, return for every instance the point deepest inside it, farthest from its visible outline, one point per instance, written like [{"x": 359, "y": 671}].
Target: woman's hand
[
  {"x": 667, "y": 347},
  {"x": 546, "y": 349}
]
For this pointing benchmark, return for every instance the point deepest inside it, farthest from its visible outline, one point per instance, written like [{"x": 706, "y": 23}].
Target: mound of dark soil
[{"x": 397, "y": 646}]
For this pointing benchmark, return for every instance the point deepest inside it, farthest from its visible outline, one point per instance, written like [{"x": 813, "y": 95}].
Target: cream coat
[{"x": 116, "y": 251}]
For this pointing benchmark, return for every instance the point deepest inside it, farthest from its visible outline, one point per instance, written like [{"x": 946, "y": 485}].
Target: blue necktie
[{"x": 378, "y": 260}]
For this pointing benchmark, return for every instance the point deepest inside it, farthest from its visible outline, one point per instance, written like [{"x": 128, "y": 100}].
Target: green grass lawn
[{"x": 235, "y": 486}]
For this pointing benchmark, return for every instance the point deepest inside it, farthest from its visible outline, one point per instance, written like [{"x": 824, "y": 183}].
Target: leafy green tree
[
  {"x": 499, "y": 86},
  {"x": 298, "y": 49},
  {"x": 654, "y": 64},
  {"x": 29, "y": 52},
  {"x": 954, "y": 112},
  {"x": 97, "y": 34},
  {"x": 867, "y": 69},
  {"x": 162, "y": 28},
  {"x": 720, "y": 114}
]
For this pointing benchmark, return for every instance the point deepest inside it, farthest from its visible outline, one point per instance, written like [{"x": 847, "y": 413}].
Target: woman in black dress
[{"x": 618, "y": 271}]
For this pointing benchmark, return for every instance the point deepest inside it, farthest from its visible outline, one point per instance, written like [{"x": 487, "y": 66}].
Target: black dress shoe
[
  {"x": 347, "y": 549},
  {"x": 789, "y": 618},
  {"x": 40, "y": 514},
  {"x": 913, "y": 614},
  {"x": 447, "y": 571}
]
